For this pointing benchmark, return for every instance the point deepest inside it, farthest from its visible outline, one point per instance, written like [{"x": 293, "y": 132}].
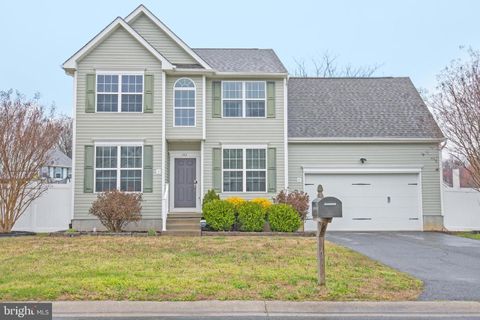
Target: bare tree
[
  {"x": 66, "y": 137},
  {"x": 456, "y": 104},
  {"x": 27, "y": 134},
  {"x": 327, "y": 66}
]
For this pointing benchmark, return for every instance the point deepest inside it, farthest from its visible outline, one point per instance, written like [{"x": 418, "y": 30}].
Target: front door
[{"x": 185, "y": 183}]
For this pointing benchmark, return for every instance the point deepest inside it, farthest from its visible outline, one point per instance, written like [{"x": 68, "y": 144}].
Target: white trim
[
  {"x": 114, "y": 142},
  {"x": 106, "y": 141},
  {"x": 204, "y": 108},
  {"x": 202, "y": 170},
  {"x": 363, "y": 140},
  {"x": 244, "y": 168},
  {"x": 440, "y": 170},
  {"x": 189, "y": 108},
  {"x": 119, "y": 92},
  {"x": 74, "y": 141},
  {"x": 253, "y": 74},
  {"x": 360, "y": 170},
  {"x": 244, "y": 99},
  {"x": 161, "y": 25},
  {"x": 185, "y": 154},
  {"x": 71, "y": 63},
  {"x": 420, "y": 198},
  {"x": 164, "y": 138},
  {"x": 285, "y": 130},
  {"x": 119, "y": 166}
]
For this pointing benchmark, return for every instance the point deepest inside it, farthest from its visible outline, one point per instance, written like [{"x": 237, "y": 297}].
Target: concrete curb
[{"x": 258, "y": 308}]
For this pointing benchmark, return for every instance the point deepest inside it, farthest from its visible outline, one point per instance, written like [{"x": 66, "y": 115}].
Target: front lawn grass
[
  {"x": 469, "y": 235},
  {"x": 191, "y": 268}
]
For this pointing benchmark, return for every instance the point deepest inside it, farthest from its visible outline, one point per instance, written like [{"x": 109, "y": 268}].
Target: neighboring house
[
  {"x": 153, "y": 115},
  {"x": 58, "y": 168}
]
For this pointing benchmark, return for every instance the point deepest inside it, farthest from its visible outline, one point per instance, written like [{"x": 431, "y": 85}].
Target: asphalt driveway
[{"x": 448, "y": 265}]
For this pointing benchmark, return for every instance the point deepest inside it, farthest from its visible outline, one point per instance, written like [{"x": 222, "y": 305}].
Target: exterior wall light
[{"x": 363, "y": 160}]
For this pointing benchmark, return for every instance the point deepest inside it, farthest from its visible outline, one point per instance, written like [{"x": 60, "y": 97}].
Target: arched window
[{"x": 184, "y": 103}]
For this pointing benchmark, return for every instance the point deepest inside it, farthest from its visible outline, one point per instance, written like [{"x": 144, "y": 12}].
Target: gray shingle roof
[
  {"x": 59, "y": 159},
  {"x": 358, "y": 108},
  {"x": 242, "y": 60}
]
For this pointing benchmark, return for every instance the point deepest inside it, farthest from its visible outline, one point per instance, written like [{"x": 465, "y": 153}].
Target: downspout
[
  {"x": 164, "y": 140},
  {"x": 74, "y": 142},
  {"x": 285, "y": 127}
]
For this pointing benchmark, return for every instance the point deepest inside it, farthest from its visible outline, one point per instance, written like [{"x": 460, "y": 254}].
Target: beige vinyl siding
[
  {"x": 119, "y": 52},
  {"x": 161, "y": 41},
  {"x": 425, "y": 156},
  {"x": 246, "y": 131},
  {"x": 183, "y": 133}
]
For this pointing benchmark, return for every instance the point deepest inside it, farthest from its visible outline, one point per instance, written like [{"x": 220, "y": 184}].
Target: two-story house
[{"x": 153, "y": 115}]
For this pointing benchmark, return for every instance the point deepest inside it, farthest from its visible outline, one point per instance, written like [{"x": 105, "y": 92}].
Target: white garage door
[{"x": 370, "y": 201}]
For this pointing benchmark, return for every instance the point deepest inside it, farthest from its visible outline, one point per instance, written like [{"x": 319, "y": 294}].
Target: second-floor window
[
  {"x": 119, "y": 93},
  {"x": 245, "y": 99},
  {"x": 184, "y": 103}
]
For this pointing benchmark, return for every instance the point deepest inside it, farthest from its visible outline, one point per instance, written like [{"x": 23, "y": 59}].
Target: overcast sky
[{"x": 408, "y": 38}]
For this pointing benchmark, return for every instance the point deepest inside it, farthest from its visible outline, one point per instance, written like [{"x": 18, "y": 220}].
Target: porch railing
[{"x": 165, "y": 206}]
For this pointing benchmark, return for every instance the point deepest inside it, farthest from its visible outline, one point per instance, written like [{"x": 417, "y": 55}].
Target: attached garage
[
  {"x": 372, "y": 143},
  {"x": 371, "y": 200}
]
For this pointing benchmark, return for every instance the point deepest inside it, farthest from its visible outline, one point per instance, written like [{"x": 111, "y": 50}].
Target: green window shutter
[
  {"x": 90, "y": 94},
  {"x": 217, "y": 99},
  {"x": 88, "y": 170},
  {"x": 147, "y": 169},
  {"x": 148, "y": 94},
  {"x": 217, "y": 169},
  {"x": 272, "y": 170},
  {"x": 270, "y": 99}
]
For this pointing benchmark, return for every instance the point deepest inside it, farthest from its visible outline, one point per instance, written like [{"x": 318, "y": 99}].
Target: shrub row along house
[{"x": 153, "y": 115}]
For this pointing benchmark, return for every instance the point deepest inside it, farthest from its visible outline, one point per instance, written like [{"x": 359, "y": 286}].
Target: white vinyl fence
[
  {"x": 461, "y": 207},
  {"x": 50, "y": 212}
]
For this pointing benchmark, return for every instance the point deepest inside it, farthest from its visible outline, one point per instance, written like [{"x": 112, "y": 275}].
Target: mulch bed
[{"x": 17, "y": 234}]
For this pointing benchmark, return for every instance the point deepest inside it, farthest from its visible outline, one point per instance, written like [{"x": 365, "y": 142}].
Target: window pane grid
[
  {"x": 244, "y": 170},
  {"x": 119, "y": 93},
  {"x": 256, "y": 181},
  {"x": 131, "y": 180},
  {"x": 118, "y": 167},
  {"x": 184, "y": 103},
  {"x": 244, "y": 99}
]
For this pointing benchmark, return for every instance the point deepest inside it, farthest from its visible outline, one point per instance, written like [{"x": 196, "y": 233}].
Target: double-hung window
[
  {"x": 244, "y": 170},
  {"x": 245, "y": 99},
  {"x": 119, "y": 92},
  {"x": 118, "y": 168},
  {"x": 184, "y": 103}
]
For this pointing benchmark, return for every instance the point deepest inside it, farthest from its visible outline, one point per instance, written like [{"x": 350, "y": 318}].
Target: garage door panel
[{"x": 370, "y": 201}]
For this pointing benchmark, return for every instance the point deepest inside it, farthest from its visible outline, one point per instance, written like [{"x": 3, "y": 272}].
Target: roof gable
[
  {"x": 71, "y": 64},
  {"x": 165, "y": 34}
]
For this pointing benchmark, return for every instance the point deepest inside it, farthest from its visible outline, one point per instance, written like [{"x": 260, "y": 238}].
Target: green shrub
[
  {"x": 219, "y": 214},
  {"x": 283, "y": 218},
  {"x": 251, "y": 216},
  {"x": 210, "y": 196},
  {"x": 151, "y": 232}
]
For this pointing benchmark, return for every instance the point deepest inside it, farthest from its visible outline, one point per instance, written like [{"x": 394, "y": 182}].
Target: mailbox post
[{"x": 323, "y": 211}]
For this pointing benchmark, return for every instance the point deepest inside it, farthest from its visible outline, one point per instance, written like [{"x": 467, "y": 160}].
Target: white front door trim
[{"x": 179, "y": 155}]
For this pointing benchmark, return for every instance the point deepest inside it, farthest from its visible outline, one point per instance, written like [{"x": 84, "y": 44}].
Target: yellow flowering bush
[
  {"x": 264, "y": 202},
  {"x": 236, "y": 201}
]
